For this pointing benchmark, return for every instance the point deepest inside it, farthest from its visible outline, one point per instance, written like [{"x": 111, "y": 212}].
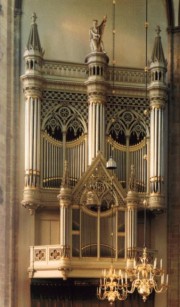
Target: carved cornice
[
  {"x": 73, "y": 75},
  {"x": 68, "y": 85},
  {"x": 57, "y": 75}
]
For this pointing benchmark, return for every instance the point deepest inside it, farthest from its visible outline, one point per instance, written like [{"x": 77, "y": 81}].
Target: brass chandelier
[
  {"x": 146, "y": 277},
  {"x": 112, "y": 286}
]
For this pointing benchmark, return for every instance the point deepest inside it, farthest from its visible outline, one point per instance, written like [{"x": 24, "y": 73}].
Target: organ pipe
[
  {"x": 157, "y": 143},
  {"x": 32, "y": 141},
  {"x": 124, "y": 157},
  {"x": 52, "y": 169},
  {"x": 131, "y": 223}
]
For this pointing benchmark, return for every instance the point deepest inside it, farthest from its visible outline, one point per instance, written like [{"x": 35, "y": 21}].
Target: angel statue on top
[{"x": 96, "y": 32}]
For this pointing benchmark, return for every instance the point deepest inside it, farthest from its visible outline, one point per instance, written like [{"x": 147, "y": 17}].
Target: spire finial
[
  {"x": 158, "y": 30},
  {"x": 132, "y": 180},
  {"x": 33, "y": 40},
  {"x": 65, "y": 179},
  {"x": 34, "y": 17}
]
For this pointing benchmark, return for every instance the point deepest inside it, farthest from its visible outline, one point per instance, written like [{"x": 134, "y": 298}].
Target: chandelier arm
[{"x": 160, "y": 289}]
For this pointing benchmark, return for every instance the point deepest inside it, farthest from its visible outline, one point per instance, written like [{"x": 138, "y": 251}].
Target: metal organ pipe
[
  {"x": 101, "y": 129},
  {"x": 27, "y": 132},
  {"x": 155, "y": 145},
  {"x": 34, "y": 133},
  {"x": 93, "y": 131},
  {"x": 131, "y": 232},
  {"x": 32, "y": 141},
  {"x": 148, "y": 164},
  {"x": 135, "y": 156},
  {"x": 90, "y": 133},
  {"x": 162, "y": 143},
  {"x": 52, "y": 159},
  {"x": 158, "y": 150},
  {"x": 127, "y": 159},
  {"x": 97, "y": 133},
  {"x": 152, "y": 143},
  {"x": 38, "y": 140}
]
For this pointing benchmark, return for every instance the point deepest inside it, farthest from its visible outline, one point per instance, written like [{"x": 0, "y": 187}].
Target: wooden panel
[
  {"x": 76, "y": 293},
  {"x": 54, "y": 232},
  {"x": 44, "y": 232}
]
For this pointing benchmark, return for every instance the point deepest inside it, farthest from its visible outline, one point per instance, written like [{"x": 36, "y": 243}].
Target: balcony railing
[{"x": 53, "y": 261}]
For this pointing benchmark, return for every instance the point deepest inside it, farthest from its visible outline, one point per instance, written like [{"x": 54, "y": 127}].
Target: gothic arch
[
  {"x": 128, "y": 121},
  {"x": 64, "y": 117}
]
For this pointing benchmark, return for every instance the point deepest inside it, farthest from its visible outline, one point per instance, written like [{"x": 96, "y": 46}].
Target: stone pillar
[{"x": 96, "y": 89}]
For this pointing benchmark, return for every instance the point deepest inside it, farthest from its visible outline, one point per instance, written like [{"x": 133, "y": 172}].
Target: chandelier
[
  {"x": 112, "y": 286},
  {"x": 146, "y": 277}
]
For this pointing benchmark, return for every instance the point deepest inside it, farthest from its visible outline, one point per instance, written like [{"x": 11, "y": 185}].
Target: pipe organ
[
  {"x": 61, "y": 128},
  {"x": 76, "y": 155}
]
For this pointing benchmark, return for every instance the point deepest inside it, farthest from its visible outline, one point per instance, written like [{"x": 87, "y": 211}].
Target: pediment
[{"x": 102, "y": 181}]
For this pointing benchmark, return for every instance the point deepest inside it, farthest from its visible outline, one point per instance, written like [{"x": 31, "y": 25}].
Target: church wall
[
  {"x": 159, "y": 241},
  {"x": 64, "y": 28},
  {"x": 174, "y": 167},
  {"x": 47, "y": 228},
  {"x": 9, "y": 136}
]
